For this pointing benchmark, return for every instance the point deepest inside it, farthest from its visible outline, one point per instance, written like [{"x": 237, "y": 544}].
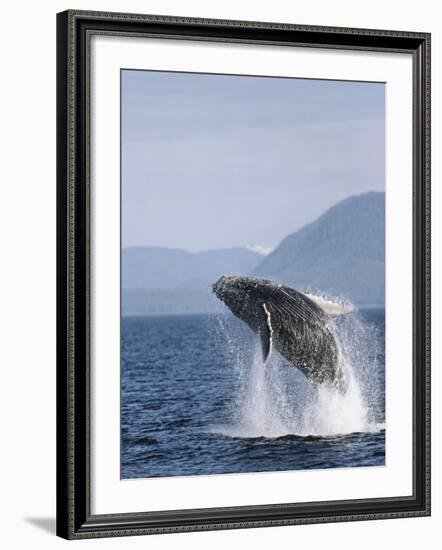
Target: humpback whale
[{"x": 297, "y": 325}]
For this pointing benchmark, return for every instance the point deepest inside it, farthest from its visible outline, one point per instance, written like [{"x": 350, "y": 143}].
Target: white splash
[
  {"x": 264, "y": 402},
  {"x": 329, "y": 305},
  {"x": 274, "y": 399},
  {"x": 333, "y": 413}
]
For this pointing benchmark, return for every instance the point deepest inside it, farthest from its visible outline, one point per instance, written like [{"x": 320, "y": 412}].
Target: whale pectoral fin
[
  {"x": 266, "y": 334},
  {"x": 265, "y": 342}
]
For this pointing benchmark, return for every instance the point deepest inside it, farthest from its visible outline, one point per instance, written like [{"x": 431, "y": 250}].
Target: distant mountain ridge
[
  {"x": 173, "y": 268},
  {"x": 342, "y": 253}
]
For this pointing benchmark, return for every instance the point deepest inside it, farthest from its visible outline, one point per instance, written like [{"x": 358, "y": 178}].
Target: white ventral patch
[
  {"x": 266, "y": 334},
  {"x": 329, "y": 306}
]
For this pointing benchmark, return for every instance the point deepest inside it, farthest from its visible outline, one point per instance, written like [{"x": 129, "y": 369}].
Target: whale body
[{"x": 296, "y": 324}]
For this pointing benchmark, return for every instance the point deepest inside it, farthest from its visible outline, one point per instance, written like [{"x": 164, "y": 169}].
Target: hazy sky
[{"x": 215, "y": 161}]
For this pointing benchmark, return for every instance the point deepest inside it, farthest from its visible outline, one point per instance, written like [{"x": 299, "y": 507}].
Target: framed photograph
[{"x": 243, "y": 274}]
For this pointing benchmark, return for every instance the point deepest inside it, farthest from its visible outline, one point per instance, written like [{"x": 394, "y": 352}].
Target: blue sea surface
[{"x": 196, "y": 399}]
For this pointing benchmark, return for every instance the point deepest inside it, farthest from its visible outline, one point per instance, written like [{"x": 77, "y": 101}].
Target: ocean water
[{"x": 196, "y": 399}]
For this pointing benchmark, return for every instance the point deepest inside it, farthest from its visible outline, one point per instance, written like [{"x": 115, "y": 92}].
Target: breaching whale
[{"x": 298, "y": 325}]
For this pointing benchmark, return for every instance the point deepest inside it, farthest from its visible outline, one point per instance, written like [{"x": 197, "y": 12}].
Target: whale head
[{"x": 244, "y": 296}]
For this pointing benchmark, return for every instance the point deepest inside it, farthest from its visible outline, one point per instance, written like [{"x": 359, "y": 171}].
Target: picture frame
[{"x": 75, "y": 217}]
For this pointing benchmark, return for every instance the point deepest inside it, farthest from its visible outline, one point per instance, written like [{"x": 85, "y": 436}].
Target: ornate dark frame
[{"x": 74, "y": 518}]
